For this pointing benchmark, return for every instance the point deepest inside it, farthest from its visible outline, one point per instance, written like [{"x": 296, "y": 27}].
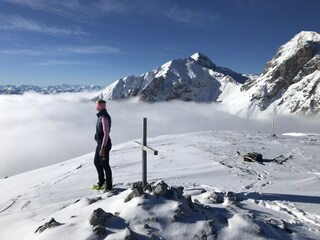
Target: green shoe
[
  {"x": 108, "y": 189},
  {"x": 98, "y": 187}
]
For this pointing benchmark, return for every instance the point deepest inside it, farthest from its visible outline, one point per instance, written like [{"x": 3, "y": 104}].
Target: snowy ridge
[
  {"x": 64, "y": 88},
  {"x": 194, "y": 78},
  {"x": 290, "y": 81},
  {"x": 292, "y": 47},
  {"x": 272, "y": 200}
]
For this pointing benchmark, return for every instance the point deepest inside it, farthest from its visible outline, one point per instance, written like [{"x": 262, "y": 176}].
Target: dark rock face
[
  {"x": 185, "y": 89},
  {"x": 289, "y": 68},
  {"x": 286, "y": 72},
  {"x": 294, "y": 61},
  {"x": 312, "y": 65},
  {"x": 154, "y": 90},
  {"x": 204, "y": 61}
]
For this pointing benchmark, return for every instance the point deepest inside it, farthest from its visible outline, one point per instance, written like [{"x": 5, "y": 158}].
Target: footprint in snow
[
  {"x": 265, "y": 184},
  {"x": 25, "y": 205},
  {"x": 247, "y": 187}
]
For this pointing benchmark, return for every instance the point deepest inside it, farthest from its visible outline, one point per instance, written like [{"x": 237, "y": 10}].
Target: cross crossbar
[{"x": 145, "y": 149}]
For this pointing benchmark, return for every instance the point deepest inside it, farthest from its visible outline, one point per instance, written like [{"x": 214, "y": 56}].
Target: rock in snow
[
  {"x": 50, "y": 224},
  {"x": 99, "y": 217}
]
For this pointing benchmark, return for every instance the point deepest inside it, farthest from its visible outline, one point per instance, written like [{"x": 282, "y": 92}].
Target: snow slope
[{"x": 273, "y": 201}]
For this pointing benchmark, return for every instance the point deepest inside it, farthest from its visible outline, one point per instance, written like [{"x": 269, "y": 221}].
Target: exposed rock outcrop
[{"x": 291, "y": 78}]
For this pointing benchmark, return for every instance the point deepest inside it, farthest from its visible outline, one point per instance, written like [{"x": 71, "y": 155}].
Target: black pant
[{"x": 102, "y": 165}]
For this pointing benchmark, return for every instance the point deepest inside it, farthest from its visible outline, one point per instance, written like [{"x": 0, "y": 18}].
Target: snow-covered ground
[{"x": 273, "y": 201}]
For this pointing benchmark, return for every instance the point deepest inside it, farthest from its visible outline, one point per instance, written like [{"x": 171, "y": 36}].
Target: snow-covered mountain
[
  {"x": 195, "y": 78},
  {"x": 64, "y": 88},
  {"x": 270, "y": 200},
  {"x": 290, "y": 82}
]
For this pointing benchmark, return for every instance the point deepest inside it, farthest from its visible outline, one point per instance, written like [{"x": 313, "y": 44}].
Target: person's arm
[{"x": 105, "y": 127}]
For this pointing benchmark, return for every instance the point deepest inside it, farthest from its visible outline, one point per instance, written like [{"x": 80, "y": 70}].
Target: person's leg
[
  {"x": 99, "y": 167},
  {"x": 106, "y": 166}
]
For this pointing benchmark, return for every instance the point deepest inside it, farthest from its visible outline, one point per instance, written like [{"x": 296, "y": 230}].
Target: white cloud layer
[
  {"x": 38, "y": 130},
  {"x": 77, "y": 9},
  {"x": 62, "y": 51},
  {"x": 17, "y": 23},
  {"x": 191, "y": 16}
]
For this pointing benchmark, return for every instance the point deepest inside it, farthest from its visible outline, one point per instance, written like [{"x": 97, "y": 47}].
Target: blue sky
[{"x": 98, "y": 41}]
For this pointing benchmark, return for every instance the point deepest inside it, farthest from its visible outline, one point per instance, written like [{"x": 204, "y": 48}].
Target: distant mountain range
[
  {"x": 12, "y": 89},
  {"x": 288, "y": 84}
]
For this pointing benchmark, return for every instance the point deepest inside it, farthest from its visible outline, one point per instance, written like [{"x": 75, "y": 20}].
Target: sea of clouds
[{"x": 39, "y": 130}]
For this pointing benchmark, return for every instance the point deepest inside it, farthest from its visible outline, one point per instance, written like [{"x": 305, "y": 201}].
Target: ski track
[
  {"x": 13, "y": 201},
  {"x": 25, "y": 205},
  {"x": 67, "y": 174},
  {"x": 16, "y": 203},
  {"x": 19, "y": 202},
  {"x": 254, "y": 186}
]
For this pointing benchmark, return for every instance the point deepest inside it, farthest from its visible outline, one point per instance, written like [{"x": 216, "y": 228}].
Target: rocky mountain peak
[
  {"x": 203, "y": 60},
  {"x": 305, "y": 36},
  {"x": 195, "y": 78},
  {"x": 292, "y": 56},
  {"x": 295, "y": 64}
]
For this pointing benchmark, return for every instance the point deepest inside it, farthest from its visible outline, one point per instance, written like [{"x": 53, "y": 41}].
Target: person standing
[{"x": 104, "y": 145}]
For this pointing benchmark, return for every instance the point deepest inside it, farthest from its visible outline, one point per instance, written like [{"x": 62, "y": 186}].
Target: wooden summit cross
[{"x": 145, "y": 149}]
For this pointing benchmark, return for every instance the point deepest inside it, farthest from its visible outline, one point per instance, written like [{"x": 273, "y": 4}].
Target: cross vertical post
[
  {"x": 145, "y": 149},
  {"x": 144, "y": 153}
]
